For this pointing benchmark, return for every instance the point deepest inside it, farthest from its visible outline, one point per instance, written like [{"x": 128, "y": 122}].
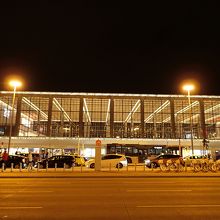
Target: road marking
[
  {"x": 159, "y": 190},
  {"x": 23, "y": 207},
  {"x": 35, "y": 191},
  {"x": 176, "y": 206},
  {"x": 24, "y": 191},
  {"x": 150, "y": 182}
]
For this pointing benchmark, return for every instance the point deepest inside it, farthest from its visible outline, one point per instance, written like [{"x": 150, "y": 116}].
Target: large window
[
  {"x": 6, "y": 114},
  {"x": 157, "y": 119},
  {"x": 65, "y": 117},
  {"x": 212, "y": 119},
  {"x": 96, "y": 117},
  {"x": 187, "y": 117},
  {"x": 34, "y": 116},
  {"x": 127, "y": 118}
]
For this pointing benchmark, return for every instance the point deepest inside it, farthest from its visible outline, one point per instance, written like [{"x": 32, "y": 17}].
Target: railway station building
[{"x": 132, "y": 124}]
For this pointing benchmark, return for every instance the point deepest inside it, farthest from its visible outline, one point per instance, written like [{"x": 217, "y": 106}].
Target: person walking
[
  {"x": 30, "y": 161},
  {"x": 5, "y": 159}
]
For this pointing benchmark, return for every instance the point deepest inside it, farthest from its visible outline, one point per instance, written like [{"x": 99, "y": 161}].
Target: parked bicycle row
[{"x": 178, "y": 164}]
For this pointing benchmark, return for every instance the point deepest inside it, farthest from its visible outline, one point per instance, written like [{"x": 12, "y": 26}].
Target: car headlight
[{"x": 147, "y": 161}]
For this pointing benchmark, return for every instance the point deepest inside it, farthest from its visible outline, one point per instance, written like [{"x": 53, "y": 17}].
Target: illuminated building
[{"x": 57, "y": 120}]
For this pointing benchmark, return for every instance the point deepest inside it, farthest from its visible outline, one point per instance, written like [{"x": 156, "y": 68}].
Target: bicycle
[
  {"x": 195, "y": 166},
  {"x": 212, "y": 165},
  {"x": 171, "y": 165},
  {"x": 175, "y": 165},
  {"x": 163, "y": 166},
  {"x": 217, "y": 163}
]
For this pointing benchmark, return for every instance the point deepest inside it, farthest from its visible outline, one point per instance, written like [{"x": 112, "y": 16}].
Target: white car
[{"x": 109, "y": 160}]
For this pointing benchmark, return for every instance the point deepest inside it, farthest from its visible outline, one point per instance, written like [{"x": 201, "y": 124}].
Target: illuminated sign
[
  {"x": 6, "y": 113},
  {"x": 25, "y": 122}
]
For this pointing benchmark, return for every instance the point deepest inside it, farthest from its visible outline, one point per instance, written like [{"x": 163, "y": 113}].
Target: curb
[
  {"x": 113, "y": 175},
  {"x": 92, "y": 177}
]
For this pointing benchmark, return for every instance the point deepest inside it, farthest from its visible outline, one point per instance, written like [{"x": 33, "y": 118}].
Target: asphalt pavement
[{"x": 110, "y": 198}]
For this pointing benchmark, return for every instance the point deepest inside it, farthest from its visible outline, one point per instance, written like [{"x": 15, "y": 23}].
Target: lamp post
[
  {"x": 14, "y": 84},
  {"x": 189, "y": 88}
]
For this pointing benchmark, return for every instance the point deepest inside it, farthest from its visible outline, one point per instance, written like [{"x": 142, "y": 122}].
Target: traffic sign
[{"x": 98, "y": 143}]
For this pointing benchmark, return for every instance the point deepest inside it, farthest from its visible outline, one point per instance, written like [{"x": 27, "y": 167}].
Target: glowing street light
[
  {"x": 13, "y": 84},
  {"x": 188, "y": 88}
]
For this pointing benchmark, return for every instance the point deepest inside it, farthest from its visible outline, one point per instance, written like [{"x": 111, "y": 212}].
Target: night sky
[{"x": 128, "y": 47}]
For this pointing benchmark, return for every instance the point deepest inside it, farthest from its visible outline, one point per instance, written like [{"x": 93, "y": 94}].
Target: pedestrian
[
  {"x": 30, "y": 161},
  {"x": 46, "y": 156},
  {"x": 5, "y": 159}
]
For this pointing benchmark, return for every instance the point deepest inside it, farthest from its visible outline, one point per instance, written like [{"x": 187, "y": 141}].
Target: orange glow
[
  {"x": 188, "y": 87},
  {"x": 15, "y": 83}
]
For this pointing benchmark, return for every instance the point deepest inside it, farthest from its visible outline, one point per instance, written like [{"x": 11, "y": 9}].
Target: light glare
[
  {"x": 14, "y": 83},
  {"x": 188, "y": 87}
]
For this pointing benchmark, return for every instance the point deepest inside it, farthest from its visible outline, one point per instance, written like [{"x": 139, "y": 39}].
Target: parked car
[
  {"x": 129, "y": 159},
  {"x": 79, "y": 160},
  {"x": 60, "y": 160},
  {"x": 154, "y": 161},
  {"x": 113, "y": 160},
  {"x": 16, "y": 160}
]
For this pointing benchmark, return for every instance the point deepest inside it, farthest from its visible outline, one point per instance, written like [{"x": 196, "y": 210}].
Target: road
[{"x": 110, "y": 198}]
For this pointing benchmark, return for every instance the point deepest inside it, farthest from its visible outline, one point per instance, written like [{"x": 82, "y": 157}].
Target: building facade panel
[
  {"x": 127, "y": 118},
  {"x": 212, "y": 118}
]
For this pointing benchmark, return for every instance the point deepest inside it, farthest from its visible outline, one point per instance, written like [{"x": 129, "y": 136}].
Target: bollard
[
  {"x": 135, "y": 167},
  {"x": 185, "y": 166},
  {"x": 46, "y": 166},
  {"x": 144, "y": 167},
  {"x": 152, "y": 167},
  {"x": 20, "y": 167},
  {"x": 64, "y": 166},
  {"x": 12, "y": 165},
  {"x": 55, "y": 166},
  {"x": 3, "y": 167},
  {"x": 81, "y": 168},
  {"x": 38, "y": 167}
]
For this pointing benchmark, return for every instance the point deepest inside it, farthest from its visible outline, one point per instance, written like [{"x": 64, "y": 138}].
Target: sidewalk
[{"x": 102, "y": 174}]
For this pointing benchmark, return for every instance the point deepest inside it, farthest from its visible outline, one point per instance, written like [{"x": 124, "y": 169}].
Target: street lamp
[
  {"x": 189, "y": 88},
  {"x": 14, "y": 84}
]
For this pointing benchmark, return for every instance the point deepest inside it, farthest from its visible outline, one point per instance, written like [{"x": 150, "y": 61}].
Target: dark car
[
  {"x": 129, "y": 159},
  {"x": 154, "y": 162},
  {"x": 59, "y": 160},
  {"x": 16, "y": 160}
]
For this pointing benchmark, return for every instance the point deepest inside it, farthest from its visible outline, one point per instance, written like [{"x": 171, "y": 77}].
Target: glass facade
[
  {"x": 127, "y": 118},
  {"x": 157, "y": 119},
  {"x": 185, "y": 116},
  {"x": 87, "y": 115}
]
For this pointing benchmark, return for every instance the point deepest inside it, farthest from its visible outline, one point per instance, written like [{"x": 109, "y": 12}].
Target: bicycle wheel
[
  {"x": 181, "y": 168},
  {"x": 197, "y": 167},
  {"x": 218, "y": 166},
  {"x": 205, "y": 167},
  {"x": 173, "y": 167},
  {"x": 213, "y": 167},
  {"x": 163, "y": 167}
]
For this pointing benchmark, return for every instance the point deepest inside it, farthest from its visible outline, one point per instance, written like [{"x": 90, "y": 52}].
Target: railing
[{"x": 169, "y": 166}]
